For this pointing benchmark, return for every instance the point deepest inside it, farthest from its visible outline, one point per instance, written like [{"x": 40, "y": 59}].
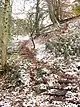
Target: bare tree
[
  {"x": 37, "y": 18},
  {"x": 54, "y": 9}
]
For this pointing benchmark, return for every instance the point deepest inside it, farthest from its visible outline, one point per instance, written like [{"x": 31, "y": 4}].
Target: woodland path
[{"x": 42, "y": 82}]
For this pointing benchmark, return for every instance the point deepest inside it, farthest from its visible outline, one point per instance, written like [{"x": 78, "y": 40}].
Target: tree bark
[
  {"x": 53, "y": 11},
  {"x": 5, "y": 33},
  {"x": 37, "y": 19}
]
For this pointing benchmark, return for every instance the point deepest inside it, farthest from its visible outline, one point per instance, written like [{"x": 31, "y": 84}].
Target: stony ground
[{"x": 39, "y": 79}]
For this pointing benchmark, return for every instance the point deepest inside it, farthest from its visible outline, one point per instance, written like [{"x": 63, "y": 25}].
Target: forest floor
[{"x": 39, "y": 78}]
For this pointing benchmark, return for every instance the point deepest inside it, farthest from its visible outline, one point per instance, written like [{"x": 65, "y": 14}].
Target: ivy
[
  {"x": 65, "y": 46},
  {"x": 76, "y": 7}
]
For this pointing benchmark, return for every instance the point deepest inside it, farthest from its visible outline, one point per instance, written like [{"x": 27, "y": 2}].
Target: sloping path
[{"x": 47, "y": 83}]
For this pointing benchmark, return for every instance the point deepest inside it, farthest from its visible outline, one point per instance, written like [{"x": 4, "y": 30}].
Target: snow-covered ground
[{"x": 50, "y": 82}]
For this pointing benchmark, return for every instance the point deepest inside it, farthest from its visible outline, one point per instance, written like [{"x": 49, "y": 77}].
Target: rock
[
  {"x": 40, "y": 88},
  {"x": 58, "y": 93}
]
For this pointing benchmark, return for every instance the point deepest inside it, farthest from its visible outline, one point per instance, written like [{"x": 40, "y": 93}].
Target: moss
[
  {"x": 40, "y": 73},
  {"x": 76, "y": 10}
]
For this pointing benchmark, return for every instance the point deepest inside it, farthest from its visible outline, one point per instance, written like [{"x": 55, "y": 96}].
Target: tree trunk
[
  {"x": 5, "y": 33},
  {"x": 37, "y": 19},
  {"x": 60, "y": 10},
  {"x": 53, "y": 11}
]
